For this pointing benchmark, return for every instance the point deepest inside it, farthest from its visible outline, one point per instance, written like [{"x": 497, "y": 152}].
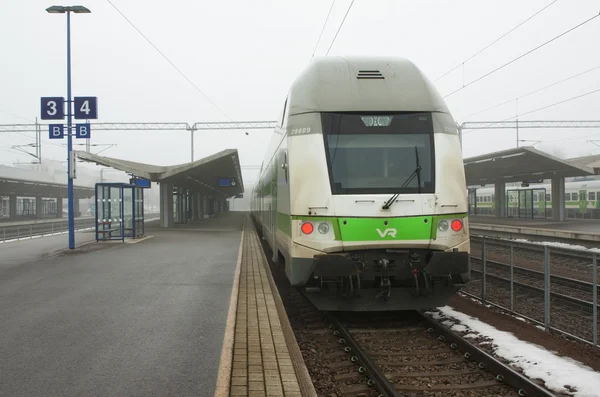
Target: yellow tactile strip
[{"x": 262, "y": 365}]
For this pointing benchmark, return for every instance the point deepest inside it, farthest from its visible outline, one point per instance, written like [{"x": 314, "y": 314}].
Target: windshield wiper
[{"x": 416, "y": 172}]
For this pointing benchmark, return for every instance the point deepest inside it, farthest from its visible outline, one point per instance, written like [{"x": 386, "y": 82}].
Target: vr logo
[{"x": 387, "y": 232}]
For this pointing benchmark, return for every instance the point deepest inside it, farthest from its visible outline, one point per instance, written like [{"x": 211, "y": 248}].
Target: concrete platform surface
[
  {"x": 580, "y": 225},
  {"x": 143, "y": 319}
]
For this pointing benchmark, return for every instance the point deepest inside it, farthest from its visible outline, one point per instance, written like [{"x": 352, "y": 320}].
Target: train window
[
  {"x": 592, "y": 196},
  {"x": 365, "y": 158},
  {"x": 548, "y": 197},
  {"x": 574, "y": 197},
  {"x": 567, "y": 196}
]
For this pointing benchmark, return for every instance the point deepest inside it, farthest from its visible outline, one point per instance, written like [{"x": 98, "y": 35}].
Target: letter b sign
[
  {"x": 57, "y": 131},
  {"x": 82, "y": 131}
]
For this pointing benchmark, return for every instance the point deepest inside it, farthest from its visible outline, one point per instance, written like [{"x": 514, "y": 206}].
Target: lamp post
[{"x": 71, "y": 216}]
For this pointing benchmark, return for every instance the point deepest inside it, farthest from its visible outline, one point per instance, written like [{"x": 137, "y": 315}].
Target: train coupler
[{"x": 385, "y": 285}]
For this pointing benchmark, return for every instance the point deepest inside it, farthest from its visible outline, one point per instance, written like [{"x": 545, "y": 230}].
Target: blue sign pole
[{"x": 70, "y": 201}]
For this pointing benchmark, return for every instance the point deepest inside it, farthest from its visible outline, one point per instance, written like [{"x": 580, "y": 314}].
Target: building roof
[
  {"x": 518, "y": 165},
  {"x": 30, "y": 183},
  {"x": 201, "y": 175}
]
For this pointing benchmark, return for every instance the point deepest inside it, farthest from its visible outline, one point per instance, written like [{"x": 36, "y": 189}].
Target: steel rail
[
  {"x": 376, "y": 377},
  {"x": 503, "y": 372},
  {"x": 555, "y": 295},
  {"x": 561, "y": 280}
]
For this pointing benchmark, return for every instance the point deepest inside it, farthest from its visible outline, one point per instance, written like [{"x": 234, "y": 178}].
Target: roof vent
[{"x": 369, "y": 74}]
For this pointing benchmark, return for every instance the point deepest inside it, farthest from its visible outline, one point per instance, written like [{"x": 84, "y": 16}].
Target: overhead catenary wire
[
  {"x": 323, "y": 28},
  {"x": 535, "y": 91},
  {"x": 538, "y": 109},
  {"x": 340, "y": 27},
  {"x": 15, "y": 115},
  {"x": 170, "y": 62},
  {"x": 494, "y": 42},
  {"x": 523, "y": 55},
  {"x": 559, "y": 103}
]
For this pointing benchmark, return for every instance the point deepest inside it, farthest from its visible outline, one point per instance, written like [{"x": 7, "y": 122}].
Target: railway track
[
  {"x": 562, "y": 289},
  {"x": 392, "y": 354},
  {"x": 403, "y": 354},
  {"x": 576, "y": 263}
]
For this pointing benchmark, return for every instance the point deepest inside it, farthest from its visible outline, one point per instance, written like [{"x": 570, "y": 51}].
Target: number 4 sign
[{"x": 86, "y": 107}]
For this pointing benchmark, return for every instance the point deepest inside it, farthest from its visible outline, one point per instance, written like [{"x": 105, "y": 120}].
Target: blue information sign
[
  {"x": 57, "y": 131},
  {"x": 225, "y": 182},
  {"x": 82, "y": 131},
  {"x": 53, "y": 108},
  {"x": 145, "y": 183},
  {"x": 86, "y": 107}
]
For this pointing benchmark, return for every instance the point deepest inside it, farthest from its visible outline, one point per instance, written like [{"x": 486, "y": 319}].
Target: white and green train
[
  {"x": 582, "y": 200},
  {"x": 361, "y": 194}
]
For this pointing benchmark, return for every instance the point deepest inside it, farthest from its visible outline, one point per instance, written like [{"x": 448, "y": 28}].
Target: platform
[
  {"x": 147, "y": 319},
  {"x": 143, "y": 319},
  {"x": 587, "y": 230}
]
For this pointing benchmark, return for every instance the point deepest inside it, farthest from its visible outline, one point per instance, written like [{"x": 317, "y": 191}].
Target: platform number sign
[
  {"x": 53, "y": 108},
  {"x": 86, "y": 107}
]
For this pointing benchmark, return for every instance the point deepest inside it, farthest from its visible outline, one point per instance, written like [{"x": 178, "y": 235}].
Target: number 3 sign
[{"x": 53, "y": 108}]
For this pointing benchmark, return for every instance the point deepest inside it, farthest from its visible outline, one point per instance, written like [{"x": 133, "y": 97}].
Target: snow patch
[
  {"x": 559, "y": 374},
  {"x": 558, "y": 245}
]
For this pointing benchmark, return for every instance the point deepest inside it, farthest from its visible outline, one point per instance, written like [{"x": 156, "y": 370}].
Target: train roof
[{"x": 362, "y": 83}]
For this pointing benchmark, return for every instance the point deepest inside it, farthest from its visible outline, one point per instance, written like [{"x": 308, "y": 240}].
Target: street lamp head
[
  {"x": 63, "y": 9},
  {"x": 56, "y": 10}
]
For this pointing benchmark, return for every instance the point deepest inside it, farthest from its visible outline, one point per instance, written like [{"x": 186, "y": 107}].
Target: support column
[
  {"x": 39, "y": 205},
  {"x": 12, "y": 206},
  {"x": 558, "y": 199},
  {"x": 500, "y": 200},
  {"x": 59, "y": 207},
  {"x": 195, "y": 206},
  {"x": 76, "y": 207},
  {"x": 200, "y": 206},
  {"x": 166, "y": 205}
]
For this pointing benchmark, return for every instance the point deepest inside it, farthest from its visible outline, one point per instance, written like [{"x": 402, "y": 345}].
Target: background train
[
  {"x": 582, "y": 199},
  {"x": 361, "y": 194}
]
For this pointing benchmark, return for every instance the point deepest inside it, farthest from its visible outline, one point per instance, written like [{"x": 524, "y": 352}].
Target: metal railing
[
  {"x": 48, "y": 228},
  {"x": 551, "y": 285}
]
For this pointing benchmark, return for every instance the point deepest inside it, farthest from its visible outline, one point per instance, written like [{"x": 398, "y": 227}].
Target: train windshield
[{"x": 375, "y": 153}]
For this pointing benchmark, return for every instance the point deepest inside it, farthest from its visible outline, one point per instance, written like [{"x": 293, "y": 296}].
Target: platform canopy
[
  {"x": 520, "y": 165},
  {"x": 219, "y": 173},
  {"x": 30, "y": 183},
  {"x": 592, "y": 161}
]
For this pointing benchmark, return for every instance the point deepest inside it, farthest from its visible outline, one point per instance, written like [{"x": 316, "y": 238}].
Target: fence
[
  {"x": 45, "y": 228},
  {"x": 549, "y": 284}
]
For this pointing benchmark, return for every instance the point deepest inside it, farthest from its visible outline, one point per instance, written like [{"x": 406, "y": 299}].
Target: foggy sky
[{"x": 244, "y": 56}]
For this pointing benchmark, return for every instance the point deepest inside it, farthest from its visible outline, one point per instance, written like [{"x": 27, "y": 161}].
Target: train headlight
[
  {"x": 323, "y": 228},
  {"x": 376, "y": 121},
  {"x": 443, "y": 226}
]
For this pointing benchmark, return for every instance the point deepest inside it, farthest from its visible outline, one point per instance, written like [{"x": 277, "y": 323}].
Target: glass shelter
[{"x": 119, "y": 211}]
